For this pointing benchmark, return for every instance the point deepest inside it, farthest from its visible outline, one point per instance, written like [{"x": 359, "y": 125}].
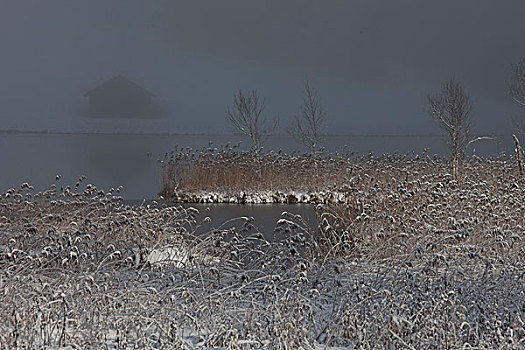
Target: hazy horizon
[{"x": 372, "y": 63}]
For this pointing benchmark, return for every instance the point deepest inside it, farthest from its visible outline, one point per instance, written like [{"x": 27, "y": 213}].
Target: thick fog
[{"x": 372, "y": 62}]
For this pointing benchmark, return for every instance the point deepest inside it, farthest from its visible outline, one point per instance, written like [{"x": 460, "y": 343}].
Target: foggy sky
[{"x": 372, "y": 62}]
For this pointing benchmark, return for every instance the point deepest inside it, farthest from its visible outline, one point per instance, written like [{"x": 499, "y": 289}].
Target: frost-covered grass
[
  {"x": 227, "y": 175},
  {"x": 228, "y": 170},
  {"x": 400, "y": 200},
  {"x": 410, "y": 259}
]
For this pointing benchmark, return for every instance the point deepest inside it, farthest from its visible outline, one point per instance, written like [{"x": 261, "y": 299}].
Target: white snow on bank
[
  {"x": 173, "y": 256},
  {"x": 263, "y": 197}
]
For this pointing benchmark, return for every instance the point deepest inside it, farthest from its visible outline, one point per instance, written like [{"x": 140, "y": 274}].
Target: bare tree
[
  {"x": 451, "y": 109},
  {"x": 516, "y": 85},
  {"x": 246, "y": 116},
  {"x": 516, "y": 91},
  {"x": 310, "y": 123}
]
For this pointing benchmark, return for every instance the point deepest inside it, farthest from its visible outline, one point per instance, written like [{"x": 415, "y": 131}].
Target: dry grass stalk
[{"x": 518, "y": 155}]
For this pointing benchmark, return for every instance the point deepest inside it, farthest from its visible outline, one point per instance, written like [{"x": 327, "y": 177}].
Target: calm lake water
[
  {"x": 131, "y": 160},
  {"x": 228, "y": 216},
  {"x": 265, "y": 217}
]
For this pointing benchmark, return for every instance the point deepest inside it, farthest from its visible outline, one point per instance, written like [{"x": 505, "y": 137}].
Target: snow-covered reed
[
  {"x": 240, "y": 176},
  {"x": 407, "y": 261},
  {"x": 226, "y": 175}
]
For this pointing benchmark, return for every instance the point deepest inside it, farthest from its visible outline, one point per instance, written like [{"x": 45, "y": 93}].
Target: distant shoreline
[{"x": 58, "y": 132}]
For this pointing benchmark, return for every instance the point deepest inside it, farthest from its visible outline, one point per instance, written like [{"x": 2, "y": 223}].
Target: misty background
[{"x": 372, "y": 62}]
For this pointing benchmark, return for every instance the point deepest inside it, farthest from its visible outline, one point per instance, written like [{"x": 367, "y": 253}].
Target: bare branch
[{"x": 480, "y": 138}]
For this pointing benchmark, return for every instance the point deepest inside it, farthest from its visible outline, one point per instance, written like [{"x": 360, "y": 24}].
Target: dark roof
[{"x": 117, "y": 83}]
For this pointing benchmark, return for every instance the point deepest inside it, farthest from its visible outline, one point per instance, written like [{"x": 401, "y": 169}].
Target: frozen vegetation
[{"x": 406, "y": 258}]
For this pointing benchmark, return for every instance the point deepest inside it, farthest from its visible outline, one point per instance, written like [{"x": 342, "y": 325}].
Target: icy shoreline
[{"x": 261, "y": 197}]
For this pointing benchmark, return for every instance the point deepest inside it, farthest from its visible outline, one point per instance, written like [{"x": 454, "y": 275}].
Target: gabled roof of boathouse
[{"x": 118, "y": 83}]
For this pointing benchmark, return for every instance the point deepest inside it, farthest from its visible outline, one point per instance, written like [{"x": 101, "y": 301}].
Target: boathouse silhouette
[{"x": 119, "y": 97}]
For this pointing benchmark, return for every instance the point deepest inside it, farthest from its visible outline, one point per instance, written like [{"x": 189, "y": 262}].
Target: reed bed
[
  {"x": 398, "y": 199},
  {"x": 227, "y": 169},
  {"x": 410, "y": 259},
  {"x": 188, "y": 173}
]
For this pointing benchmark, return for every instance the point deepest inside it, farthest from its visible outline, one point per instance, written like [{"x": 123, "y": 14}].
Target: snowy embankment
[{"x": 261, "y": 197}]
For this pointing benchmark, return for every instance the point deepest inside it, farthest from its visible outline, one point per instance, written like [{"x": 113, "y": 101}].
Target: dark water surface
[
  {"x": 226, "y": 216},
  {"x": 130, "y": 160},
  {"x": 265, "y": 216}
]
